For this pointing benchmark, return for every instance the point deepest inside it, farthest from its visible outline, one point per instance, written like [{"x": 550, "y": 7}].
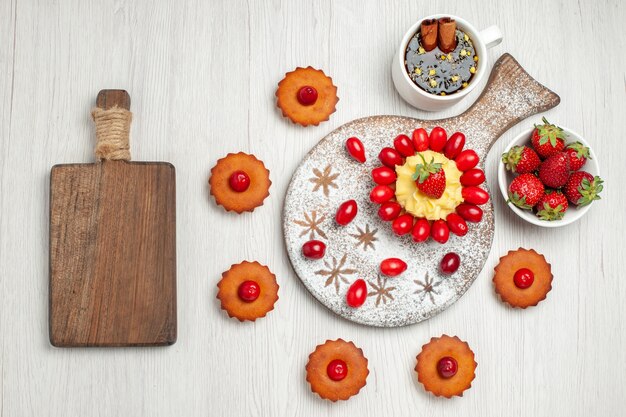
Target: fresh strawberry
[
  {"x": 577, "y": 153},
  {"x": 548, "y": 139},
  {"x": 525, "y": 191},
  {"x": 554, "y": 171},
  {"x": 430, "y": 177},
  {"x": 551, "y": 206},
  {"x": 582, "y": 188},
  {"x": 521, "y": 159}
]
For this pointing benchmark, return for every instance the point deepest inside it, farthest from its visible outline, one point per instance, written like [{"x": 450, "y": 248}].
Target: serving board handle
[
  {"x": 112, "y": 117},
  {"x": 108, "y": 99},
  {"x": 510, "y": 96}
]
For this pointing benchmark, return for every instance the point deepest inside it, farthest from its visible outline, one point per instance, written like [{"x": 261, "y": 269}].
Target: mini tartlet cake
[
  {"x": 417, "y": 203},
  {"x": 248, "y": 291},
  {"x": 239, "y": 182},
  {"x": 523, "y": 278},
  {"x": 337, "y": 370},
  {"x": 446, "y": 366},
  {"x": 307, "y": 96}
]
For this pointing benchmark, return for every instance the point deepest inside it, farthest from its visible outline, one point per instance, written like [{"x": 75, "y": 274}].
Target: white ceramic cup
[
  {"x": 419, "y": 98},
  {"x": 505, "y": 177}
]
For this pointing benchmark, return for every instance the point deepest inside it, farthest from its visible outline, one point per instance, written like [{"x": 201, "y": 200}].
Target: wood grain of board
[
  {"x": 113, "y": 250},
  {"x": 212, "y": 67}
]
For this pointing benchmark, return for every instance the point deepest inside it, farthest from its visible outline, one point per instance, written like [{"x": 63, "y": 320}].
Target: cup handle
[{"x": 491, "y": 36}]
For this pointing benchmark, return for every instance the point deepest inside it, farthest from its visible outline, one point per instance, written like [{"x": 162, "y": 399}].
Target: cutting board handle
[
  {"x": 510, "y": 96},
  {"x": 112, "y": 117},
  {"x": 108, "y": 99}
]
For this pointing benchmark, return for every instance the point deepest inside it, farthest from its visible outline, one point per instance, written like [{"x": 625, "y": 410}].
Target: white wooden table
[{"x": 202, "y": 76}]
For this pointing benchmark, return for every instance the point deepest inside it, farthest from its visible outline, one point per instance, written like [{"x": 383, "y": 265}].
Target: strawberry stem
[
  {"x": 425, "y": 169},
  {"x": 549, "y": 132}
]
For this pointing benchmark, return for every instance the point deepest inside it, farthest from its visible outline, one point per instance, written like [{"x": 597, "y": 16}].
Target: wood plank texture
[
  {"x": 113, "y": 254},
  {"x": 202, "y": 76}
]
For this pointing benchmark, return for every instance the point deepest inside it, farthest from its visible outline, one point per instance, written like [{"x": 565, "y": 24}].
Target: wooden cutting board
[{"x": 113, "y": 250}]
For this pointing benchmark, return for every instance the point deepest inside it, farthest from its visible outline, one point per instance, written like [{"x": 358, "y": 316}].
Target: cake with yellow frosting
[
  {"x": 428, "y": 186},
  {"x": 416, "y": 202}
]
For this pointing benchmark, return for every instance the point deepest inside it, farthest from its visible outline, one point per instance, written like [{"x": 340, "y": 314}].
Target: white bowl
[
  {"x": 505, "y": 177},
  {"x": 423, "y": 100}
]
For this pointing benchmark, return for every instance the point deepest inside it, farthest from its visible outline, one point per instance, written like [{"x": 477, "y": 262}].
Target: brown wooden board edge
[{"x": 167, "y": 342}]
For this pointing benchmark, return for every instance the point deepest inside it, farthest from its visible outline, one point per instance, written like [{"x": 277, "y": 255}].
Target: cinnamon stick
[
  {"x": 447, "y": 34},
  {"x": 428, "y": 30}
]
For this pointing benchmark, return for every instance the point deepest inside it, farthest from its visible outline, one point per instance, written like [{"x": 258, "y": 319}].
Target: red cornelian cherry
[
  {"x": 389, "y": 210},
  {"x": 337, "y": 370},
  {"x": 457, "y": 224},
  {"x": 381, "y": 194},
  {"x": 474, "y": 195},
  {"x": 450, "y": 263},
  {"x": 421, "y": 230},
  {"x": 390, "y": 157},
  {"x": 356, "y": 149},
  {"x": 346, "y": 212},
  {"x": 392, "y": 267},
  {"x": 439, "y": 231},
  {"x": 249, "y": 291},
  {"x": 403, "y": 144},
  {"x": 447, "y": 367},
  {"x": 523, "y": 278},
  {"x": 357, "y": 293},
  {"x": 384, "y": 175},
  {"x": 239, "y": 181},
  {"x": 454, "y": 145},
  {"x": 466, "y": 159},
  {"x": 420, "y": 139},
  {"x": 314, "y": 249},
  {"x": 470, "y": 212},
  {"x": 307, "y": 95},
  {"x": 474, "y": 176},
  {"x": 403, "y": 224},
  {"x": 437, "y": 139}
]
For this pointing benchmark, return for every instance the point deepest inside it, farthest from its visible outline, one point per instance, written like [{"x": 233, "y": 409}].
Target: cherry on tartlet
[
  {"x": 446, "y": 366},
  {"x": 307, "y": 95},
  {"x": 431, "y": 185},
  {"x": 239, "y": 181},
  {"x": 249, "y": 291},
  {"x": 337, "y": 370}
]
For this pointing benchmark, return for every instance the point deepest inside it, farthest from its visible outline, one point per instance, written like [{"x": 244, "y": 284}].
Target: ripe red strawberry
[
  {"x": 582, "y": 188},
  {"x": 554, "y": 171},
  {"x": 430, "y": 178},
  {"x": 551, "y": 206},
  {"x": 548, "y": 139},
  {"x": 521, "y": 159},
  {"x": 525, "y": 191},
  {"x": 577, "y": 154}
]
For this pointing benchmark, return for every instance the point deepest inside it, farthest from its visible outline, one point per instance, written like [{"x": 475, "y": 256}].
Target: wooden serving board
[
  {"x": 328, "y": 176},
  {"x": 113, "y": 250}
]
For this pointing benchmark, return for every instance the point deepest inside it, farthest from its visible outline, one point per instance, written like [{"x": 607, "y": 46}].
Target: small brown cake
[
  {"x": 248, "y": 291},
  {"x": 307, "y": 96},
  {"x": 337, "y": 370},
  {"x": 523, "y": 278},
  {"x": 446, "y": 366},
  {"x": 240, "y": 182}
]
